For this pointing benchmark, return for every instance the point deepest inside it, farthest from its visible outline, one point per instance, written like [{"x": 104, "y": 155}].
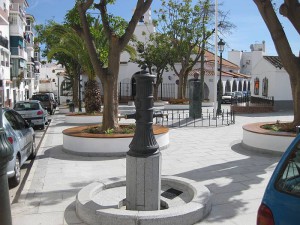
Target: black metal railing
[
  {"x": 262, "y": 100},
  {"x": 181, "y": 118}
]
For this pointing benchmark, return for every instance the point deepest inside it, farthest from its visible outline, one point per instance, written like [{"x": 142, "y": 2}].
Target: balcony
[
  {"x": 17, "y": 51},
  {"x": 17, "y": 7},
  {"x": 3, "y": 41},
  {"x": 3, "y": 16}
]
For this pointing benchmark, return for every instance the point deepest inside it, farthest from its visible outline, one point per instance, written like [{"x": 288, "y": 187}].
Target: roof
[
  {"x": 210, "y": 58},
  {"x": 274, "y": 60},
  {"x": 224, "y": 73}
]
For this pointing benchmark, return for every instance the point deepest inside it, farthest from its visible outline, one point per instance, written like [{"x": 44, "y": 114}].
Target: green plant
[{"x": 109, "y": 131}]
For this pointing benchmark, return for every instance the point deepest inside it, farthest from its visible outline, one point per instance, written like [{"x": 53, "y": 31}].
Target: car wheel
[
  {"x": 15, "y": 180},
  {"x": 42, "y": 127},
  {"x": 33, "y": 150}
]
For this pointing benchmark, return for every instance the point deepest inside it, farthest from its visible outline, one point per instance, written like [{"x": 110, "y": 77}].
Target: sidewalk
[{"x": 213, "y": 156}]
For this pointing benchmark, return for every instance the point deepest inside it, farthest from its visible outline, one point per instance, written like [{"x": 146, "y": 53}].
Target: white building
[
  {"x": 4, "y": 50},
  {"x": 268, "y": 77}
]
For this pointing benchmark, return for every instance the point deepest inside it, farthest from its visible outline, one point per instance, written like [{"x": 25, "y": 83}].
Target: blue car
[{"x": 281, "y": 202}]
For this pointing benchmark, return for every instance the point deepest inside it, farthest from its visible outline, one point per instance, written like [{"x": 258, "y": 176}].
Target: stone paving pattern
[{"x": 211, "y": 155}]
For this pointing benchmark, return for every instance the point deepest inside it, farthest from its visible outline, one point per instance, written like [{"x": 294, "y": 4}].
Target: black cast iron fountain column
[{"x": 143, "y": 160}]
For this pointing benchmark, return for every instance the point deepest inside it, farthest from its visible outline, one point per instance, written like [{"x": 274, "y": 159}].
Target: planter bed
[
  {"x": 258, "y": 139},
  {"x": 87, "y": 144}
]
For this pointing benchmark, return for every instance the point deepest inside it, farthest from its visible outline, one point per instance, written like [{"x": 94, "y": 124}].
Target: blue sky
[{"x": 250, "y": 27}]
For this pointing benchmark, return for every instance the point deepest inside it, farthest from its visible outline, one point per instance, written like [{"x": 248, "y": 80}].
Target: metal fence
[
  {"x": 254, "y": 100},
  {"x": 166, "y": 91},
  {"x": 182, "y": 118}
]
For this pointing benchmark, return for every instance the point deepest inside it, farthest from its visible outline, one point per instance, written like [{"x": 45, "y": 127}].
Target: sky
[{"x": 250, "y": 27}]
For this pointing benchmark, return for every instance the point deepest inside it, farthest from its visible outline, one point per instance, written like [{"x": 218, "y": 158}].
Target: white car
[
  {"x": 33, "y": 112},
  {"x": 22, "y": 138}
]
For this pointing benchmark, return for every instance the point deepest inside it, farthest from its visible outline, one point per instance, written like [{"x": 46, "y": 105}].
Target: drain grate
[{"x": 171, "y": 193}]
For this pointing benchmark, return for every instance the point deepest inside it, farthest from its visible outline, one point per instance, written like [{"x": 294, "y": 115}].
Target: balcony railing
[
  {"x": 17, "y": 51},
  {"x": 3, "y": 41}
]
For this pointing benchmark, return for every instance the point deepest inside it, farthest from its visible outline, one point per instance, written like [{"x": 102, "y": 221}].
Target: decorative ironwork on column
[{"x": 143, "y": 142}]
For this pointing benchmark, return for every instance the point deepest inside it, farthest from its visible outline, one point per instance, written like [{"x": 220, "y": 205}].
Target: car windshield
[
  {"x": 26, "y": 106},
  {"x": 40, "y": 97},
  {"x": 228, "y": 94}
]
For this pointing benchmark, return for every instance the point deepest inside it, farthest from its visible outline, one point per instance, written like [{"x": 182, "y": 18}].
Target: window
[
  {"x": 12, "y": 120},
  {"x": 256, "y": 86},
  {"x": 289, "y": 178},
  {"x": 265, "y": 83}
]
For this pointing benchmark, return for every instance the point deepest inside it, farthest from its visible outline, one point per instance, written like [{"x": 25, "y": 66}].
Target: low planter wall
[
  {"x": 63, "y": 109},
  {"x": 83, "y": 119},
  {"x": 86, "y": 144},
  {"x": 251, "y": 108},
  {"x": 258, "y": 139}
]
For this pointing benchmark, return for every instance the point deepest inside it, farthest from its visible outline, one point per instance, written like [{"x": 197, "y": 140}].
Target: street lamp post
[
  {"x": 6, "y": 154},
  {"x": 58, "y": 86},
  {"x": 221, "y": 45}
]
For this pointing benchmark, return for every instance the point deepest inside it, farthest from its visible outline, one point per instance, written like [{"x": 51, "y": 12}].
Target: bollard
[
  {"x": 6, "y": 154},
  {"x": 143, "y": 160}
]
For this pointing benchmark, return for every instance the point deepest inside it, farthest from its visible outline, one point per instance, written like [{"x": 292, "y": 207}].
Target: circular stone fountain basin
[{"x": 183, "y": 202}]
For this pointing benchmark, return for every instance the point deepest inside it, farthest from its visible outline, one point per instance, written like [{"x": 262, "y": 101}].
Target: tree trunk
[
  {"x": 111, "y": 100},
  {"x": 110, "y": 109},
  {"x": 295, "y": 85},
  {"x": 75, "y": 90},
  {"x": 180, "y": 87}
]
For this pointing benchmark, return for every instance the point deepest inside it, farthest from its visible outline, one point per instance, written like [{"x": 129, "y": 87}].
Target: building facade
[
  {"x": 268, "y": 76},
  {"x": 19, "y": 55}
]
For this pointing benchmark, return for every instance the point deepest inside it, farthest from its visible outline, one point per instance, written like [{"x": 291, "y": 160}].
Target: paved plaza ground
[{"x": 211, "y": 155}]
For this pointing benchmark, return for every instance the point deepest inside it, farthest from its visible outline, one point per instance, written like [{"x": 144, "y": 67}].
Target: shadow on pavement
[
  {"x": 58, "y": 153},
  {"x": 230, "y": 183}
]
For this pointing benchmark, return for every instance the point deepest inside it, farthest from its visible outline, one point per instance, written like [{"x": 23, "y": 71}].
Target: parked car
[
  {"x": 47, "y": 101},
  {"x": 228, "y": 97},
  {"x": 33, "y": 112},
  {"x": 239, "y": 96},
  {"x": 281, "y": 200},
  {"x": 22, "y": 137}
]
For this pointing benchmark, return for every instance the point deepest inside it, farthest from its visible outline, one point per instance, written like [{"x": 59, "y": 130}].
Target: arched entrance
[
  {"x": 234, "y": 86},
  {"x": 133, "y": 88},
  {"x": 206, "y": 91},
  {"x": 245, "y": 86},
  {"x": 227, "y": 86},
  {"x": 240, "y": 85}
]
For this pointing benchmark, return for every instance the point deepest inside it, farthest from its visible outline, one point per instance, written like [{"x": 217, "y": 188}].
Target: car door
[
  {"x": 283, "y": 192},
  {"x": 13, "y": 132},
  {"x": 25, "y": 132}
]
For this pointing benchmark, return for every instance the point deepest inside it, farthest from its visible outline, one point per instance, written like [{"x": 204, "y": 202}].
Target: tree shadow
[
  {"x": 57, "y": 152},
  {"x": 231, "y": 183}
]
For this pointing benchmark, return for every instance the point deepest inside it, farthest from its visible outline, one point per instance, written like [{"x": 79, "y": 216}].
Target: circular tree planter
[
  {"x": 77, "y": 142},
  {"x": 256, "y": 138},
  {"x": 63, "y": 109},
  {"x": 82, "y": 118}
]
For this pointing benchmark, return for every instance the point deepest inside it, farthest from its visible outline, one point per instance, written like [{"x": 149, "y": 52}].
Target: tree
[
  {"x": 154, "y": 55},
  {"x": 51, "y": 39},
  {"x": 117, "y": 38},
  {"x": 188, "y": 26},
  {"x": 291, "y": 10},
  {"x": 73, "y": 46}
]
